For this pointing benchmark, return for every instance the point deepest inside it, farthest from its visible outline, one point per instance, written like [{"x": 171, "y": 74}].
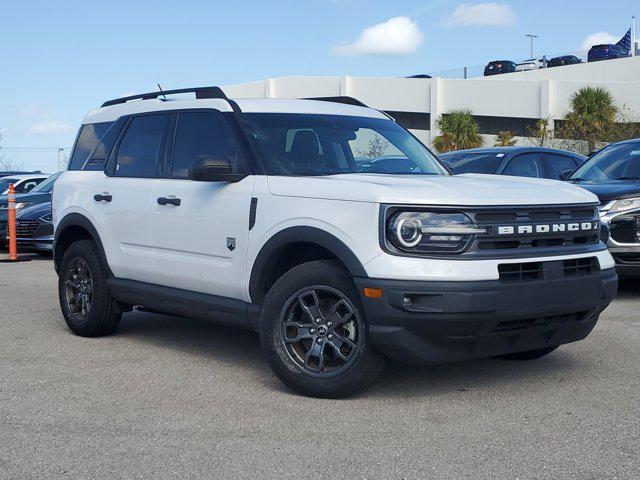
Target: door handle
[
  {"x": 102, "y": 197},
  {"x": 169, "y": 201}
]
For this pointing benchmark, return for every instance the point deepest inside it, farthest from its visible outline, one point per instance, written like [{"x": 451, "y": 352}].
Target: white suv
[{"x": 327, "y": 227}]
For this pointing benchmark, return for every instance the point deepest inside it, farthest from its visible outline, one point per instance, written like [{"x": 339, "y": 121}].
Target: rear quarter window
[{"x": 88, "y": 139}]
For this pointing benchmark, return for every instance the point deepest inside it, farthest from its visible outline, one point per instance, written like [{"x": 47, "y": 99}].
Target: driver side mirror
[
  {"x": 566, "y": 175},
  {"x": 213, "y": 169}
]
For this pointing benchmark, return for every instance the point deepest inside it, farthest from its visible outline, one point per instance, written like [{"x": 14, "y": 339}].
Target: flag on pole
[{"x": 625, "y": 42}]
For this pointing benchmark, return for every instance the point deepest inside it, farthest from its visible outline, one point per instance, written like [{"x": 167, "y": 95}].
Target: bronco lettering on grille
[{"x": 547, "y": 228}]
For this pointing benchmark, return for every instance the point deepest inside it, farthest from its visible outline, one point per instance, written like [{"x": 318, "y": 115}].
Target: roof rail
[
  {"x": 201, "y": 92},
  {"x": 342, "y": 99}
]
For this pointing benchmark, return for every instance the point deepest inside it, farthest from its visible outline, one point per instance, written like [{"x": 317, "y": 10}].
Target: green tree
[
  {"x": 377, "y": 147},
  {"x": 505, "y": 139},
  {"x": 592, "y": 116},
  {"x": 541, "y": 135},
  {"x": 459, "y": 131}
]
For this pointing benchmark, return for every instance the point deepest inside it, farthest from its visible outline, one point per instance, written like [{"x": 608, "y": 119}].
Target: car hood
[
  {"x": 34, "y": 212},
  {"x": 457, "y": 190},
  {"x": 612, "y": 189},
  {"x": 31, "y": 198}
]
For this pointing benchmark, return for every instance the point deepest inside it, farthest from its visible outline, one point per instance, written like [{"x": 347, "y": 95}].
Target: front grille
[
  {"x": 539, "y": 322},
  {"x": 535, "y": 228},
  {"x": 26, "y": 229},
  {"x": 624, "y": 229},
  {"x": 552, "y": 270},
  {"x": 520, "y": 272},
  {"x": 580, "y": 266}
]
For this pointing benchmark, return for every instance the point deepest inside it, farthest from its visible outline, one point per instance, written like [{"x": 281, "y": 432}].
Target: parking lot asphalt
[{"x": 169, "y": 397}]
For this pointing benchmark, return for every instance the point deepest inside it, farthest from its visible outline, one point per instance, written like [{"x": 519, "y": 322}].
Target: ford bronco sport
[{"x": 278, "y": 215}]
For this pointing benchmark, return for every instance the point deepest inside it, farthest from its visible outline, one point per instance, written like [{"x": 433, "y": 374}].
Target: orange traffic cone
[{"x": 13, "y": 245}]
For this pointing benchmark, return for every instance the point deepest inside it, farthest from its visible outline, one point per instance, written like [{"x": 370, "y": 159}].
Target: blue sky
[{"x": 60, "y": 59}]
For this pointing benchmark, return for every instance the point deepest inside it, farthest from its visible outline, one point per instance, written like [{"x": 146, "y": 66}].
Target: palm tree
[
  {"x": 593, "y": 113},
  {"x": 505, "y": 139},
  {"x": 459, "y": 131}
]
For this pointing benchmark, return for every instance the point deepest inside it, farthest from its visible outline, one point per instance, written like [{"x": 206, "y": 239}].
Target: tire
[
  {"x": 99, "y": 315},
  {"x": 333, "y": 357},
  {"x": 529, "y": 355}
]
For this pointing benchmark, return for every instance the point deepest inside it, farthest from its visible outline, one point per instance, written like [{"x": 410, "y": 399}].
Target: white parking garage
[{"x": 514, "y": 101}]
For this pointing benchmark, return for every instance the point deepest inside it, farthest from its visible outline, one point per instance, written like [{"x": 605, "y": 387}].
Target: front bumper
[{"x": 439, "y": 322}]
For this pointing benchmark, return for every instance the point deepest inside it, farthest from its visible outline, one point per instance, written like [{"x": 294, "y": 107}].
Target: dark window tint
[
  {"x": 89, "y": 136},
  {"x": 202, "y": 135},
  {"x": 474, "y": 162},
  {"x": 28, "y": 185},
  {"x": 523, "y": 166},
  {"x": 141, "y": 147},
  {"x": 98, "y": 157},
  {"x": 554, "y": 165}
]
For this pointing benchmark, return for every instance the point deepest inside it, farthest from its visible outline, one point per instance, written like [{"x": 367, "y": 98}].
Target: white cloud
[
  {"x": 396, "y": 36},
  {"x": 598, "y": 38},
  {"x": 488, "y": 14},
  {"x": 54, "y": 126}
]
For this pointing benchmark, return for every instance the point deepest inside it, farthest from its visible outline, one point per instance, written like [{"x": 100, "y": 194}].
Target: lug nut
[
  {"x": 319, "y": 340},
  {"x": 329, "y": 336},
  {"x": 329, "y": 324},
  {"x": 312, "y": 331}
]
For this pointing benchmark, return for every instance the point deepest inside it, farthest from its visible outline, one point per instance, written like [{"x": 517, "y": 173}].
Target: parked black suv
[
  {"x": 613, "y": 174},
  {"x": 499, "y": 66}
]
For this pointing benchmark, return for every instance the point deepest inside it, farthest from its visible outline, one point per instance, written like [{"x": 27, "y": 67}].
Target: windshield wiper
[
  {"x": 577, "y": 179},
  {"x": 628, "y": 178}
]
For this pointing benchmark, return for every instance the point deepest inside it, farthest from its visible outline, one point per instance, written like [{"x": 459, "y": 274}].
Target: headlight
[
  {"x": 48, "y": 218},
  {"x": 20, "y": 205},
  {"x": 623, "y": 205},
  {"x": 431, "y": 232}
]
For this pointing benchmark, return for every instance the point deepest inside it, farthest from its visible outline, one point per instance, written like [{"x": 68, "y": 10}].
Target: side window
[
  {"x": 88, "y": 137},
  {"x": 141, "y": 147},
  {"x": 201, "y": 135},
  {"x": 525, "y": 165},
  {"x": 27, "y": 186},
  {"x": 554, "y": 165}
]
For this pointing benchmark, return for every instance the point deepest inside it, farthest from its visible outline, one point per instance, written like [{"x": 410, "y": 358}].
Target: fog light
[{"x": 373, "y": 292}]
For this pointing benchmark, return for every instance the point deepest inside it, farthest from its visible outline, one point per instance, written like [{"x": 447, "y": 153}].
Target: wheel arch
[
  {"x": 71, "y": 228},
  {"x": 286, "y": 243}
]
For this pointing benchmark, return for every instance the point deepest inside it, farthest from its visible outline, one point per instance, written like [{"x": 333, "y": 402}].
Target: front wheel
[
  {"x": 86, "y": 304},
  {"x": 314, "y": 333}
]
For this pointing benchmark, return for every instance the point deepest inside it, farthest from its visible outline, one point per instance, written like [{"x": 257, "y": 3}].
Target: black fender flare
[
  {"x": 77, "y": 220},
  {"x": 304, "y": 234}
]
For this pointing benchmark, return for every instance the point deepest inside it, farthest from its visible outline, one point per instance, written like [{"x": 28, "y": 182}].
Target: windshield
[
  {"x": 47, "y": 185},
  {"x": 473, "y": 162},
  {"x": 615, "y": 162},
  {"x": 310, "y": 144}
]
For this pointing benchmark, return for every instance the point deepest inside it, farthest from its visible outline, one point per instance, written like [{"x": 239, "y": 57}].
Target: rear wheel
[
  {"x": 529, "y": 355},
  {"x": 314, "y": 333},
  {"x": 82, "y": 288}
]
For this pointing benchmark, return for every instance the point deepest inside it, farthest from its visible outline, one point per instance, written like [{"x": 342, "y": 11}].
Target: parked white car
[
  {"x": 531, "y": 64},
  {"x": 256, "y": 213},
  {"x": 23, "y": 183}
]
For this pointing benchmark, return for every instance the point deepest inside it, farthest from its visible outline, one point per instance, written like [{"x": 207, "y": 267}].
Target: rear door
[
  {"x": 553, "y": 164},
  {"x": 524, "y": 165},
  {"x": 199, "y": 230},
  {"x": 122, "y": 197}
]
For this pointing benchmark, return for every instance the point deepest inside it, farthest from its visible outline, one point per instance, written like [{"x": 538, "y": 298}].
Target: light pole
[{"x": 531, "y": 36}]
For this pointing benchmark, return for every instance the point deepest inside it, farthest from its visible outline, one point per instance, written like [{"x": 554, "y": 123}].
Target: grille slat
[
  {"x": 539, "y": 322},
  {"x": 532, "y": 271}
]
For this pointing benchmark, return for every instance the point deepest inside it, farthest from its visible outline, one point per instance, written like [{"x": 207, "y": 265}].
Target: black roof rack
[
  {"x": 201, "y": 92},
  {"x": 342, "y": 99}
]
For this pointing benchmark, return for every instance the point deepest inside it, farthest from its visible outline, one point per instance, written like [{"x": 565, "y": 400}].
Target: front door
[{"x": 199, "y": 230}]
